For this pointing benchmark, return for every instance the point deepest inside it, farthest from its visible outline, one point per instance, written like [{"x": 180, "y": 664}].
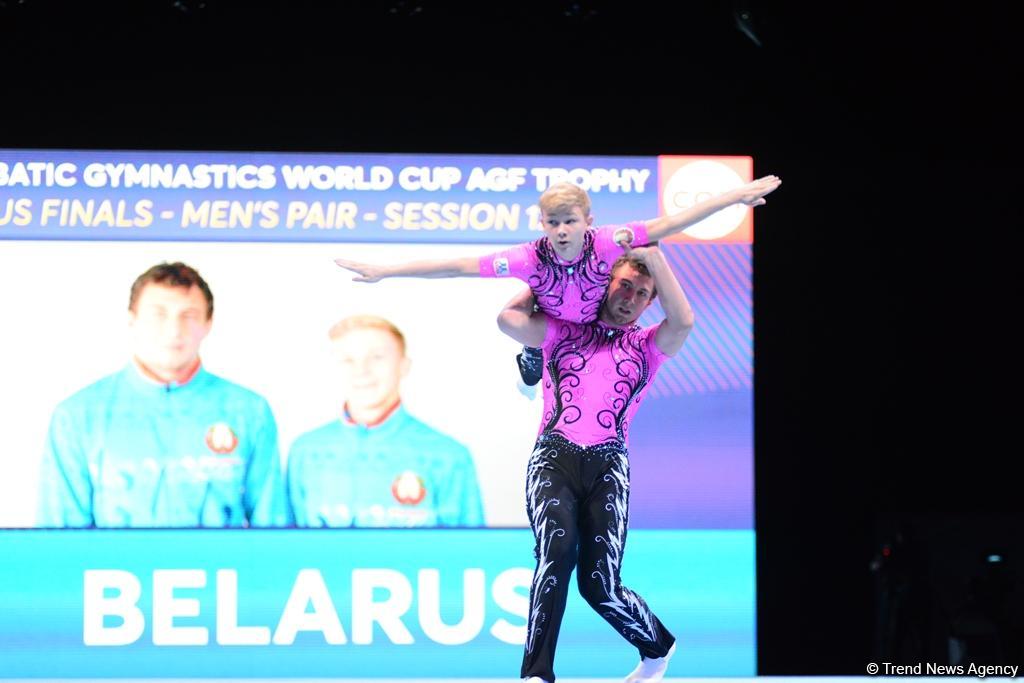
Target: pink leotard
[
  {"x": 565, "y": 290},
  {"x": 594, "y": 379}
]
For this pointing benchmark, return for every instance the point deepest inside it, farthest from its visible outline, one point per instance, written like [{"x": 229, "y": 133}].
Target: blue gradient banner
[
  {"x": 262, "y": 197},
  {"x": 392, "y": 603}
]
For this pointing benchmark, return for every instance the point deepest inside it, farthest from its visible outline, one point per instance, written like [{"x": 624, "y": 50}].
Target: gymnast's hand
[
  {"x": 752, "y": 194},
  {"x": 643, "y": 254},
  {"x": 364, "y": 271}
]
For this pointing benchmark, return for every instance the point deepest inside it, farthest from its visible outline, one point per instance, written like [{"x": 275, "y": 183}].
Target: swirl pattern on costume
[
  {"x": 595, "y": 377},
  {"x": 552, "y": 278},
  {"x": 578, "y": 505},
  {"x": 623, "y": 608},
  {"x": 546, "y": 529},
  {"x": 632, "y": 366},
  {"x": 566, "y": 363}
]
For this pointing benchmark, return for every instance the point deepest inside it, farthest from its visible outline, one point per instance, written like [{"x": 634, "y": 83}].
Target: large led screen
[{"x": 410, "y": 549}]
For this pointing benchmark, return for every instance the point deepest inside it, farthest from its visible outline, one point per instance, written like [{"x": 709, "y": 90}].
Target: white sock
[
  {"x": 535, "y": 679},
  {"x": 650, "y": 670}
]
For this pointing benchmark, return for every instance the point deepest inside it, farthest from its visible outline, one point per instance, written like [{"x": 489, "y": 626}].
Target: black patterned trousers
[{"x": 577, "y": 499}]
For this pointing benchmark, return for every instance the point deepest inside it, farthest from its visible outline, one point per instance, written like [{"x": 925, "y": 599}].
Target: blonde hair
[
  {"x": 366, "y": 322},
  {"x": 564, "y": 196}
]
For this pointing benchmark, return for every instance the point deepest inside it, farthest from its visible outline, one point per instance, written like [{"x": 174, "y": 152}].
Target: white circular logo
[{"x": 696, "y": 182}]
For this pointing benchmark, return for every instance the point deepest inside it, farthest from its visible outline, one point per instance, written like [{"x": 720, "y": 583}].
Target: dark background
[{"x": 886, "y": 267}]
